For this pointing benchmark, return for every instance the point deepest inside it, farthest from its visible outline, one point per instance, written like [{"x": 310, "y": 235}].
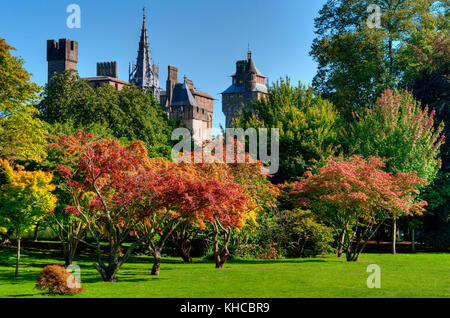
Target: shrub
[
  {"x": 300, "y": 234},
  {"x": 55, "y": 279},
  {"x": 272, "y": 253}
]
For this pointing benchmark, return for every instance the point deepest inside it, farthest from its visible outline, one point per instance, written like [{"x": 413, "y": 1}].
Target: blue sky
[{"x": 203, "y": 38}]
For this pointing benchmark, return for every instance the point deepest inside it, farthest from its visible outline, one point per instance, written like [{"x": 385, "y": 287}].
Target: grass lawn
[{"x": 403, "y": 275}]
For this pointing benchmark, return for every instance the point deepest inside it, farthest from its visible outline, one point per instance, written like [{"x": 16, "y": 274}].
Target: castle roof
[
  {"x": 257, "y": 71},
  {"x": 105, "y": 79},
  {"x": 241, "y": 89},
  {"x": 201, "y": 93},
  {"x": 182, "y": 96}
]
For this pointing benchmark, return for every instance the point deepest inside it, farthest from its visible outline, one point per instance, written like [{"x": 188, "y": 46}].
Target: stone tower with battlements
[
  {"x": 144, "y": 74},
  {"x": 61, "y": 56},
  {"x": 247, "y": 85}
]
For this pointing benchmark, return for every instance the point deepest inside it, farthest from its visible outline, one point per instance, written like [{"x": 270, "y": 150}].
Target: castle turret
[
  {"x": 107, "y": 69},
  {"x": 248, "y": 84},
  {"x": 61, "y": 56}
]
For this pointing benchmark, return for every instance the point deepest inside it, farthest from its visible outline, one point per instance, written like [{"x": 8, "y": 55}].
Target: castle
[
  {"x": 181, "y": 101},
  {"x": 247, "y": 85}
]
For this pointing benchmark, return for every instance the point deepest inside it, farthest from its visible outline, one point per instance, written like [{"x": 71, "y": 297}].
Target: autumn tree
[
  {"x": 355, "y": 197},
  {"x": 308, "y": 126},
  {"x": 25, "y": 198},
  {"x": 399, "y": 129},
  {"x": 108, "y": 188},
  {"x": 190, "y": 195},
  {"x": 66, "y": 150},
  {"x": 257, "y": 194}
]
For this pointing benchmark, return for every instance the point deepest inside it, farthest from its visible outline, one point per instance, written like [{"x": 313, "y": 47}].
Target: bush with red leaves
[{"x": 55, "y": 279}]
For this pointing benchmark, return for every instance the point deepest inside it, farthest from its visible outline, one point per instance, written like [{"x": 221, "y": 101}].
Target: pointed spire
[
  {"x": 144, "y": 74},
  {"x": 251, "y": 66}
]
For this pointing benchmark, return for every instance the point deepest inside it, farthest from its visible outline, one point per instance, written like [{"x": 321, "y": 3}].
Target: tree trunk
[
  {"x": 18, "y": 259},
  {"x": 36, "y": 231},
  {"x": 68, "y": 257},
  {"x": 413, "y": 240},
  {"x": 394, "y": 235},
  {"x": 186, "y": 255},
  {"x": 341, "y": 244},
  {"x": 156, "y": 263},
  {"x": 302, "y": 248},
  {"x": 221, "y": 254},
  {"x": 109, "y": 274},
  {"x": 221, "y": 260},
  {"x": 70, "y": 249}
]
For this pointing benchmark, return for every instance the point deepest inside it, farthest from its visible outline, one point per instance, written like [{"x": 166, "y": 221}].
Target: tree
[
  {"x": 308, "y": 126},
  {"x": 22, "y": 135},
  {"x": 430, "y": 84},
  {"x": 399, "y": 129},
  {"x": 67, "y": 226},
  {"x": 24, "y": 200},
  {"x": 108, "y": 188},
  {"x": 356, "y": 62},
  {"x": 193, "y": 194},
  {"x": 355, "y": 196},
  {"x": 260, "y": 195},
  {"x": 129, "y": 113}
]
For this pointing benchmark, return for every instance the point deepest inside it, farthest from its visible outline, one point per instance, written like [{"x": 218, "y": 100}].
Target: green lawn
[{"x": 403, "y": 275}]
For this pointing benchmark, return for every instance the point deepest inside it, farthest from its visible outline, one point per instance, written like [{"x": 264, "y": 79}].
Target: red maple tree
[{"x": 355, "y": 196}]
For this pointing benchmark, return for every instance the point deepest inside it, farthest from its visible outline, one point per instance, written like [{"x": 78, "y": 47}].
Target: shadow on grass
[
  {"x": 24, "y": 295},
  {"x": 276, "y": 261}
]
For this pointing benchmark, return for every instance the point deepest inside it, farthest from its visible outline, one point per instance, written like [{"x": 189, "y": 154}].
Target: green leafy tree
[
  {"x": 357, "y": 62},
  {"x": 128, "y": 114},
  {"x": 398, "y": 129},
  {"x": 308, "y": 126},
  {"x": 22, "y": 135},
  {"x": 430, "y": 83}
]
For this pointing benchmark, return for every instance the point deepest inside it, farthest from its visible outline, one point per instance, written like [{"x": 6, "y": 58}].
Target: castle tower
[
  {"x": 247, "y": 85},
  {"x": 144, "y": 74},
  {"x": 107, "y": 69},
  {"x": 61, "y": 56}
]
